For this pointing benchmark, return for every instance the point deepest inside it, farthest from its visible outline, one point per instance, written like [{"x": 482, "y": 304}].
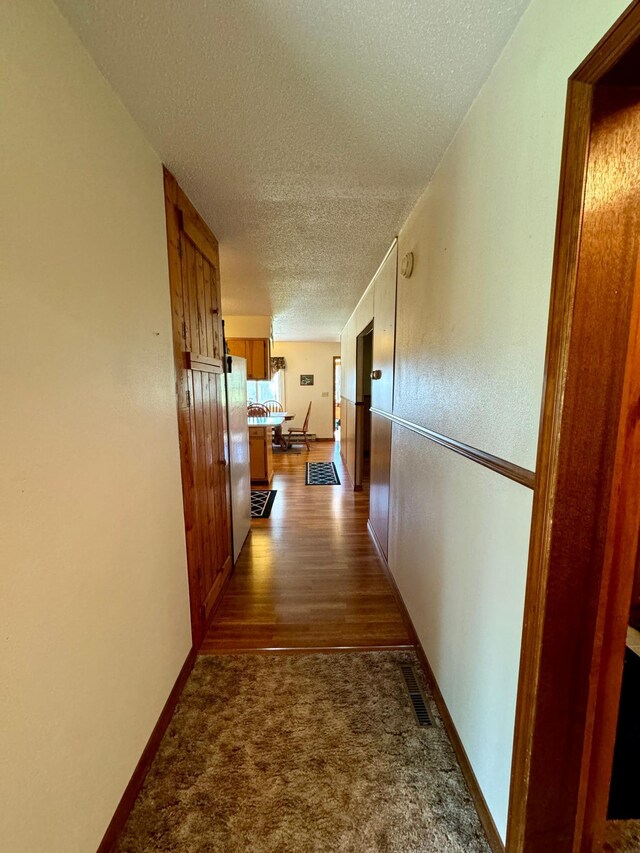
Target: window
[{"x": 261, "y": 391}]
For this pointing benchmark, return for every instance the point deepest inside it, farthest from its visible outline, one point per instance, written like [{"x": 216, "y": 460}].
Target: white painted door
[
  {"x": 384, "y": 331},
  {"x": 384, "y": 326},
  {"x": 239, "y": 453}
]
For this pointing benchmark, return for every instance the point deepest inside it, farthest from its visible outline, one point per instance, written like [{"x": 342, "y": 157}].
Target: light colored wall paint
[
  {"x": 94, "y": 601},
  {"x": 310, "y": 357},
  {"x": 458, "y": 545},
  {"x": 471, "y": 331},
  {"x": 239, "y": 326},
  {"x": 348, "y": 366},
  {"x": 359, "y": 320},
  {"x": 472, "y": 318}
]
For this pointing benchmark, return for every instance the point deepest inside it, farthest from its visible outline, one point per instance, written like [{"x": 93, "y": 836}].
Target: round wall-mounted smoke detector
[{"x": 406, "y": 266}]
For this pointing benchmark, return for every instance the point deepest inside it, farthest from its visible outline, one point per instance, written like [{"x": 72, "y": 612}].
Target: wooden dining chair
[
  {"x": 257, "y": 410},
  {"x": 300, "y": 436},
  {"x": 274, "y": 405}
]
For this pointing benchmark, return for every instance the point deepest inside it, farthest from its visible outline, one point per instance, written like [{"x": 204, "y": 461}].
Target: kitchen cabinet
[
  {"x": 260, "y": 454},
  {"x": 257, "y": 352}
]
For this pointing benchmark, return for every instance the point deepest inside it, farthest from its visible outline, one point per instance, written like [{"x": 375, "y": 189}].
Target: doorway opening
[
  {"x": 586, "y": 513},
  {"x": 337, "y": 393},
  {"x": 364, "y": 366}
]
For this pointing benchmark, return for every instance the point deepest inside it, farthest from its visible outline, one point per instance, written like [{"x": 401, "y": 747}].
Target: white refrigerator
[{"x": 240, "y": 476}]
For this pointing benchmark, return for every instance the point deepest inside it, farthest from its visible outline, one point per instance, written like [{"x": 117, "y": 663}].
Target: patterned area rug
[
  {"x": 322, "y": 474},
  {"x": 261, "y": 502},
  {"x": 303, "y": 754}
]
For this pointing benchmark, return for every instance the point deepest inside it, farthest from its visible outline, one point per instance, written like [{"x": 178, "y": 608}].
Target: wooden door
[
  {"x": 586, "y": 509},
  {"x": 198, "y": 352},
  {"x": 384, "y": 325}
]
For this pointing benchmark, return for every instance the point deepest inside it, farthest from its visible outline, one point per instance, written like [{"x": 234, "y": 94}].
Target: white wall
[
  {"x": 93, "y": 600},
  {"x": 458, "y": 544},
  {"x": 359, "y": 320},
  {"x": 471, "y": 332},
  {"x": 310, "y": 357}
]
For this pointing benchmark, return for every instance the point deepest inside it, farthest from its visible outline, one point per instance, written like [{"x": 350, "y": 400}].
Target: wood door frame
[
  {"x": 359, "y": 407},
  {"x": 181, "y": 215},
  {"x": 333, "y": 396},
  {"x": 571, "y": 659}
]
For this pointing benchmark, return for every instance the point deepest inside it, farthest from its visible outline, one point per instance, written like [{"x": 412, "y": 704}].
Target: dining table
[{"x": 279, "y": 436}]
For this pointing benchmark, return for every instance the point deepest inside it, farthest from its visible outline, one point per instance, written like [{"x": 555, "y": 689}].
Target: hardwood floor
[{"x": 309, "y": 576}]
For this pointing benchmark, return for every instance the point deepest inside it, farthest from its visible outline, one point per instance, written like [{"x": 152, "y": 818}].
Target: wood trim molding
[
  {"x": 612, "y": 46},
  {"x": 121, "y": 814},
  {"x": 486, "y": 819},
  {"x": 491, "y": 831},
  {"x": 494, "y": 463},
  {"x": 196, "y": 230},
  {"x": 558, "y": 335},
  {"x": 305, "y": 650},
  {"x": 567, "y": 641},
  {"x": 190, "y": 221},
  {"x": 204, "y": 363}
]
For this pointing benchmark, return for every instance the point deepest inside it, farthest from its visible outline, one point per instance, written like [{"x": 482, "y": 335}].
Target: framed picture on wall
[{"x": 306, "y": 378}]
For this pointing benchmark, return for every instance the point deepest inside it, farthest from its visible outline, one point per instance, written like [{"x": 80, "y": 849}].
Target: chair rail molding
[{"x": 501, "y": 466}]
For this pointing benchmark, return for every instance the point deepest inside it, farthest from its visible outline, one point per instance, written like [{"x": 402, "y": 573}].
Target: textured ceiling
[{"x": 303, "y": 130}]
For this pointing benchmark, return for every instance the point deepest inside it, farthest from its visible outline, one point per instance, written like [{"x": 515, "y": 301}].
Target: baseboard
[
  {"x": 306, "y": 650},
  {"x": 491, "y": 831},
  {"x": 346, "y": 472},
  {"x": 148, "y": 754},
  {"x": 408, "y": 624}
]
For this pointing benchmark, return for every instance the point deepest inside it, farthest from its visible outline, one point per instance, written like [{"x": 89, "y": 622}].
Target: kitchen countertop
[{"x": 271, "y": 421}]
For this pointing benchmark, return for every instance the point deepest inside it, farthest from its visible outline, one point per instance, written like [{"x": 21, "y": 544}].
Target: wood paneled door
[
  {"x": 198, "y": 351},
  {"x": 384, "y": 306}
]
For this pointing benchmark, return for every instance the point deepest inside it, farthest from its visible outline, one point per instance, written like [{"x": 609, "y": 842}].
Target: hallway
[
  {"x": 212, "y": 209},
  {"x": 309, "y": 576}
]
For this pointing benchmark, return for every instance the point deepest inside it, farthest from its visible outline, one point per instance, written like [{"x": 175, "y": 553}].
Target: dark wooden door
[{"x": 198, "y": 351}]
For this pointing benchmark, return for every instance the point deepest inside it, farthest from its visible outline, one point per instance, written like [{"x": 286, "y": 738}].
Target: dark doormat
[
  {"x": 624, "y": 794},
  {"x": 322, "y": 474},
  {"x": 261, "y": 502}
]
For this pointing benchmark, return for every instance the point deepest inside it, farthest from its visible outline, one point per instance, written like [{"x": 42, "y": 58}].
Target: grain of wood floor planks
[{"x": 309, "y": 576}]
